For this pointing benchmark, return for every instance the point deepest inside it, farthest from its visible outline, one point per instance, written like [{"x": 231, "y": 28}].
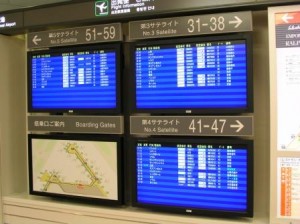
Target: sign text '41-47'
[
  {"x": 218, "y": 126},
  {"x": 192, "y": 125}
]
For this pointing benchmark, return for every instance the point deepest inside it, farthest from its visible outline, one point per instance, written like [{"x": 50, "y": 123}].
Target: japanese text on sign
[
  {"x": 77, "y": 35},
  {"x": 46, "y": 123},
  {"x": 192, "y": 125},
  {"x": 191, "y": 25},
  {"x": 126, "y": 6}
]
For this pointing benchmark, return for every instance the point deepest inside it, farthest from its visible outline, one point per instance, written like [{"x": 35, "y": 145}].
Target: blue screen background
[
  {"x": 74, "y": 80},
  {"x": 195, "y": 75},
  {"x": 194, "y": 176}
]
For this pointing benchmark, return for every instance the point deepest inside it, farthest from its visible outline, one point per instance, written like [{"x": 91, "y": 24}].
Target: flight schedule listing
[
  {"x": 192, "y": 75},
  {"x": 82, "y": 79},
  {"x": 193, "y": 175}
]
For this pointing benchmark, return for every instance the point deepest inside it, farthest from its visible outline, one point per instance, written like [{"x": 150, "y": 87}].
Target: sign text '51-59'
[{"x": 76, "y": 35}]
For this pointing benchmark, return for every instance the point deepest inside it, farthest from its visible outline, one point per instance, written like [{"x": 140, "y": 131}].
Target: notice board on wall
[{"x": 284, "y": 39}]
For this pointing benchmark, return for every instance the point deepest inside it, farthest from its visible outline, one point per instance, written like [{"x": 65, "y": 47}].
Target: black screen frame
[
  {"x": 247, "y": 37},
  {"x": 193, "y": 211},
  {"x": 116, "y": 47},
  {"x": 81, "y": 137}
]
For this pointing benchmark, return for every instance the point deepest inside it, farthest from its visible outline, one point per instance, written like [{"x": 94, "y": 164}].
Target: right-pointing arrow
[
  {"x": 239, "y": 126},
  {"x": 237, "y": 22}
]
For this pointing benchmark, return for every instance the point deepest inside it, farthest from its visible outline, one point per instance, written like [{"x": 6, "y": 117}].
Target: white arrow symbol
[
  {"x": 237, "y": 22},
  {"x": 286, "y": 18},
  {"x": 239, "y": 126},
  {"x": 36, "y": 39}
]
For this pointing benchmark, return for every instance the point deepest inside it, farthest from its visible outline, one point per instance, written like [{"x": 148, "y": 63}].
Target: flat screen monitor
[
  {"x": 84, "y": 168},
  {"x": 203, "y": 75},
  {"x": 200, "y": 176},
  {"x": 75, "y": 79}
]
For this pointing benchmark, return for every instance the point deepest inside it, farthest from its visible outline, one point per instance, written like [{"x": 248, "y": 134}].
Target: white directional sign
[
  {"x": 76, "y": 35},
  {"x": 191, "y": 25},
  {"x": 192, "y": 125},
  {"x": 77, "y": 124},
  {"x": 239, "y": 126},
  {"x": 286, "y": 17},
  {"x": 237, "y": 21},
  {"x": 36, "y": 39}
]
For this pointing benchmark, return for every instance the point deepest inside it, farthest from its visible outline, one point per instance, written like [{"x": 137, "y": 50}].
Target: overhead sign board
[
  {"x": 104, "y": 10},
  {"x": 124, "y": 7},
  {"x": 76, "y": 35},
  {"x": 192, "y": 125},
  {"x": 11, "y": 21},
  {"x": 191, "y": 25},
  {"x": 77, "y": 124}
]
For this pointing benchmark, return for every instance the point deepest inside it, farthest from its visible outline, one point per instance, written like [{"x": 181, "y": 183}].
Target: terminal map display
[{"x": 72, "y": 167}]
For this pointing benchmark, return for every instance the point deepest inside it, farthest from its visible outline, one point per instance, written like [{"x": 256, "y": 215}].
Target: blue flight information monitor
[
  {"x": 193, "y": 76},
  {"x": 78, "y": 79},
  {"x": 194, "y": 177}
]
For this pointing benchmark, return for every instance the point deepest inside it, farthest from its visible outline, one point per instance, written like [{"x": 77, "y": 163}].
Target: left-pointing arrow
[
  {"x": 239, "y": 126},
  {"x": 237, "y": 22},
  {"x": 286, "y": 18},
  {"x": 36, "y": 39}
]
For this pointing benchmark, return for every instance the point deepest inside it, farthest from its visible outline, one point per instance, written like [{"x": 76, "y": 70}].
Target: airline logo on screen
[{"x": 101, "y": 8}]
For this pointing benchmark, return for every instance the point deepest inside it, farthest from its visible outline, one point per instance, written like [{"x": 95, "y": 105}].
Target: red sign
[{"x": 287, "y": 18}]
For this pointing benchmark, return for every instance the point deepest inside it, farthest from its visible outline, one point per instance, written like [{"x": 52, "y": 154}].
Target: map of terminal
[{"x": 78, "y": 168}]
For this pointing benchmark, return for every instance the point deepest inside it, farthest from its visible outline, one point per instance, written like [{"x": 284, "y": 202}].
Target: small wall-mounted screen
[
  {"x": 205, "y": 75},
  {"x": 82, "y": 167},
  {"x": 75, "y": 79},
  {"x": 198, "y": 176}
]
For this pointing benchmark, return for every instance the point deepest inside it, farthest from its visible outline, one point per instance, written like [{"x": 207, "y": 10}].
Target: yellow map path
[
  {"x": 93, "y": 188},
  {"x": 295, "y": 143}
]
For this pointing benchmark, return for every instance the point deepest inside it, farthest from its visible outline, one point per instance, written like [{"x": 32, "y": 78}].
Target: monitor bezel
[
  {"x": 195, "y": 211},
  {"x": 247, "y": 37},
  {"x": 81, "y": 137},
  {"x": 116, "y": 47}
]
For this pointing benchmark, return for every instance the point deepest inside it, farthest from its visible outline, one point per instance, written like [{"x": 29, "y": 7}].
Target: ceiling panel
[
  {"x": 6, "y": 5},
  {"x": 30, "y": 3}
]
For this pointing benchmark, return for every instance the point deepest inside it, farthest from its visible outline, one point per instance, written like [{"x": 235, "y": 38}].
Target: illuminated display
[
  {"x": 72, "y": 166},
  {"x": 192, "y": 176},
  {"x": 132, "y": 6},
  {"x": 191, "y": 76},
  {"x": 74, "y": 79}
]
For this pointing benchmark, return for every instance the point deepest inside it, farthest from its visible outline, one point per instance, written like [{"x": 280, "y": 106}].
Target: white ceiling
[{"x": 6, "y": 5}]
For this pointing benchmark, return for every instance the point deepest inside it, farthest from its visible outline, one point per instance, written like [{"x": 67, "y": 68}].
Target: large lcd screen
[
  {"x": 81, "y": 167},
  {"x": 194, "y": 176},
  {"x": 75, "y": 79},
  {"x": 208, "y": 75}
]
